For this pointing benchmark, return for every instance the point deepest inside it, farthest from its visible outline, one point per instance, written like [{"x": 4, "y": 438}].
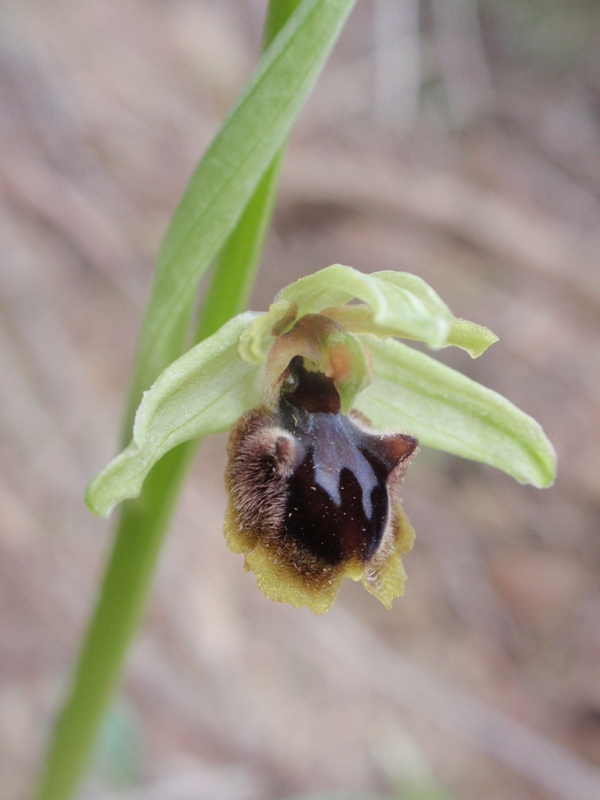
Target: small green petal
[
  {"x": 473, "y": 338},
  {"x": 412, "y": 392},
  {"x": 204, "y": 391},
  {"x": 402, "y": 303}
]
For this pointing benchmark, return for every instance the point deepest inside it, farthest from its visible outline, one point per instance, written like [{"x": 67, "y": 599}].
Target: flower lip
[{"x": 313, "y": 494}]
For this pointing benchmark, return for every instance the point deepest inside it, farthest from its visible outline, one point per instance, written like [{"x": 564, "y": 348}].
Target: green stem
[
  {"x": 144, "y": 522},
  {"x": 139, "y": 536}
]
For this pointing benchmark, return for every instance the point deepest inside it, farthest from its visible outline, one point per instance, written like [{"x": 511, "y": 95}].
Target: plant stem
[
  {"x": 144, "y": 522},
  {"x": 139, "y": 536}
]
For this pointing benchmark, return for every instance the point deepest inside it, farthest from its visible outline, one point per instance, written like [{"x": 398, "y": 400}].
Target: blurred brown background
[{"x": 454, "y": 139}]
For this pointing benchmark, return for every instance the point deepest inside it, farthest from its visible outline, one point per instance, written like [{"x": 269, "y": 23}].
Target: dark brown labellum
[
  {"x": 337, "y": 501},
  {"x": 315, "y": 487}
]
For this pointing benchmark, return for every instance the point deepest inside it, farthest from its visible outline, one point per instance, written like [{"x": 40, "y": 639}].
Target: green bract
[{"x": 226, "y": 375}]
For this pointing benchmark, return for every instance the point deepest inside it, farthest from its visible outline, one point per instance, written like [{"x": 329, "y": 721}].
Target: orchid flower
[{"x": 326, "y": 410}]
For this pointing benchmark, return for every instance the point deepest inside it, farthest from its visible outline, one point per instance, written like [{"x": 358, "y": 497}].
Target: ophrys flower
[{"x": 325, "y": 403}]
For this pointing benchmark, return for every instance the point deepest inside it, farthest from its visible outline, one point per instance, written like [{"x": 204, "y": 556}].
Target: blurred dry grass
[{"x": 485, "y": 675}]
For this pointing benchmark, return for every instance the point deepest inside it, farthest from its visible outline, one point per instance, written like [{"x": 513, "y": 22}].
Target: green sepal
[
  {"x": 204, "y": 391},
  {"x": 393, "y": 304},
  {"x": 413, "y": 392},
  {"x": 402, "y": 304}
]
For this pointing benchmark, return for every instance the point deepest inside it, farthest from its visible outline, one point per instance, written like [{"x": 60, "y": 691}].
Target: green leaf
[
  {"x": 228, "y": 175},
  {"x": 278, "y": 13},
  {"x": 414, "y": 393},
  {"x": 204, "y": 391},
  {"x": 403, "y": 304},
  {"x": 234, "y": 273}
]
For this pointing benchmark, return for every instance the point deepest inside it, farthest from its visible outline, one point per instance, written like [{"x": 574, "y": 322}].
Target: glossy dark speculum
[{"x": 337, "y": 505}]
